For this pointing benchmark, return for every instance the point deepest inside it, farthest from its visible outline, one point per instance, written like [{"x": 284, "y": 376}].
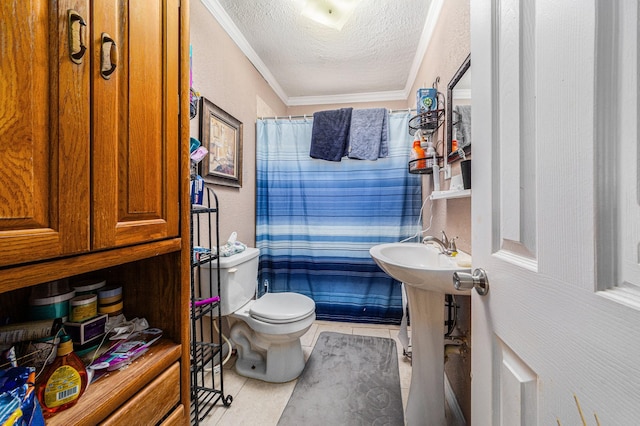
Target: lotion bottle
[{"x": 63, "y": 382}]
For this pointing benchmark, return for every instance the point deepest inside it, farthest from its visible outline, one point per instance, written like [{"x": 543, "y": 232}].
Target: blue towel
[
  {"x": 463, "y": 126},
  {"x": 369, "y": 134},
  {"x": 330, "y": 134}
]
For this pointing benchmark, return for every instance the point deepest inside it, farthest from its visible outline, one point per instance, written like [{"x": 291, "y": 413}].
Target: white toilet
[{"x": 267, "y": 337}]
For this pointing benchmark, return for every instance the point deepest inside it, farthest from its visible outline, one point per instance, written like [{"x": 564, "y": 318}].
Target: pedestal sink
[{"x": 427, "y": 275}]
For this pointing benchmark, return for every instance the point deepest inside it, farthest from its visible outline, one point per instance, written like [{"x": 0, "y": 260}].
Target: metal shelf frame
[{"x": 207, "y": 374}]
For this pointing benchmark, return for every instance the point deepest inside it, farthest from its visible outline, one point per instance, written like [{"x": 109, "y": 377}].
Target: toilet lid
[{"x": 282, "y": 307}]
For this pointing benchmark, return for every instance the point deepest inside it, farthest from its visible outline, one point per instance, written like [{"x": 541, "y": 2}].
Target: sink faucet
[{"x": 445, "y": 245}]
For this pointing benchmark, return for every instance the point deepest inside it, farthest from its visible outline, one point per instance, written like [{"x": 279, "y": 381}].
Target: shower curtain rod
[{"x": 305, "y": 116}]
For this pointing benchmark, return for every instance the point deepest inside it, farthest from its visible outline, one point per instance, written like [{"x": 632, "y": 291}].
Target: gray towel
[
  {"x": 369, "y": 135},
  {"x": 330, "y": 134},
  {"x": 463, "y": 125}
]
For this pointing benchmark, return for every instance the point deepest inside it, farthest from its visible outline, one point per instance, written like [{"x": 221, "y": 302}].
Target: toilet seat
[{"x": 282, "y": 308}]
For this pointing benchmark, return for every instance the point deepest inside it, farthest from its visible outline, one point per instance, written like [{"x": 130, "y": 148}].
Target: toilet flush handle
[{"x": 232, "y": 270}]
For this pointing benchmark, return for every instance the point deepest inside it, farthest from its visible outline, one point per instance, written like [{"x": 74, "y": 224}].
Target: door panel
[
  {"x": 546, "y": 109},
  {"x": 619, "y": 269},
  {"x": 517, "y": 179},
  {"x": 144, "y": 115},
  {"x": 518, "y": 390},
  {"x": 136, "y": 124},
  {"x": 44, "y": 133}
]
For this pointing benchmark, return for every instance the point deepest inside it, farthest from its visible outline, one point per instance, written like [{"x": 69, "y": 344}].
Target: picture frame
[{"x": 221, "y": 135}]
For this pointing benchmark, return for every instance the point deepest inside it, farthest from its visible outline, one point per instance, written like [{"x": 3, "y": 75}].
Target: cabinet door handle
[
  {"x": 77, "y": 27},
  {"x": 109, "y": 57}
]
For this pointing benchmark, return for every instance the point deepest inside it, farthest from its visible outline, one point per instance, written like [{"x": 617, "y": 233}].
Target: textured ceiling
[{"x": 374, "y": 57}]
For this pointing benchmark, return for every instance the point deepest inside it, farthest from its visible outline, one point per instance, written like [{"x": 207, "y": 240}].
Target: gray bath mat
[{"x": 348, "y": 380}]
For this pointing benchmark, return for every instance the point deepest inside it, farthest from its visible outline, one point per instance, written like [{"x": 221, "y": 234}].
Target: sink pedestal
[
  {"x": 427, "y": 276},
  {"x": 425, "y": 404}
]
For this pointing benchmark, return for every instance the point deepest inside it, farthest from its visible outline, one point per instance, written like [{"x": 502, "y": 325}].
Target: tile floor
[{"x": 257, "y": 403}]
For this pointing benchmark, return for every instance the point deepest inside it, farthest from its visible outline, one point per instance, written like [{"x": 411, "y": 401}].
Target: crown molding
[
  {"x": 425, "y": 39},
  {"x": 395, "y": 95},
  {"x": 232, "y": 30}
]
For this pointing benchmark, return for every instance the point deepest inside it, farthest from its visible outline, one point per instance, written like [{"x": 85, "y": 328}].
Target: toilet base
[{"x": 275, "y": 362}]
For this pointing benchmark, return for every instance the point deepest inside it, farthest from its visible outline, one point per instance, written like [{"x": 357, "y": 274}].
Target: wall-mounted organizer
[
  {"x": 207, "y": 383},
  {"x": 427, "y": 169},
  {"x": 427, "y": 124}
]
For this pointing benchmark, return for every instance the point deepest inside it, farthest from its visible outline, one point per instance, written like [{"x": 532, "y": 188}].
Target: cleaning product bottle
[
  {"x": 417, "y": 153},
  {"x": 63, "y": 381}
]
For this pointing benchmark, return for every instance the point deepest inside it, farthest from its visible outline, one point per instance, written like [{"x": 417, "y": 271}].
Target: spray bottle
[{"x": 417, "y": 153}]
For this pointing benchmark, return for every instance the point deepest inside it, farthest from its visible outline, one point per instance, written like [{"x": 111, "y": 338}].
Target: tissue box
[{"x": 82, "y": 332}]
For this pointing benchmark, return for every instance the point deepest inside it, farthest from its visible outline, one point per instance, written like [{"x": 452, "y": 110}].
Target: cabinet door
[
  {"x": 135, "y": 121},
  {"x": 44, "y": 130}
]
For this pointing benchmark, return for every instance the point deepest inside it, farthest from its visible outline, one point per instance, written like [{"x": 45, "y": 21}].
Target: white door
[{"x": 555, "y": 212}]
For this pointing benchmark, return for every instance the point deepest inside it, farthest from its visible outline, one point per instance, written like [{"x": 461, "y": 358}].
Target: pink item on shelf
[
  {"x": 199, "y": 154},
  {"x": 206, "y": 301},
  {"x": 125, "y": 351}
]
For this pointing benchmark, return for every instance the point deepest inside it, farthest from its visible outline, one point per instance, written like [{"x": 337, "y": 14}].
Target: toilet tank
[{"x": 238, "y": 279}]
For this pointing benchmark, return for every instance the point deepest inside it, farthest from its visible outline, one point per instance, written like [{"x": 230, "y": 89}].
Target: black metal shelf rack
[
  {"x": 428, "y": 123},
  {"x": 207, "y": 383}
]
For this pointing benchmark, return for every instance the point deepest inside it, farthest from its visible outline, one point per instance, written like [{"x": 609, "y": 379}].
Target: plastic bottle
[
  {"x": 454, "y": 141},
  {"x": 63, "y": 382},
  {"x": 417, "y": 153},
  {"x": 436, "y": 176}
]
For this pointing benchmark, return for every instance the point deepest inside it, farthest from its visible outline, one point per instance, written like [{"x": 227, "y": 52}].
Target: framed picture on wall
[{"x": 221, "y": 134}]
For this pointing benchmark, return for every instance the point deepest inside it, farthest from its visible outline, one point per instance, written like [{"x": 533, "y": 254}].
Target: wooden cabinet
[
  {"x": 44, "y": 134},
  {"x": 94, "y": 170},
  {"x": 150, "y": 404},
  {"x": 89, "y": 125},
  {"x": 135, "y": 121}
]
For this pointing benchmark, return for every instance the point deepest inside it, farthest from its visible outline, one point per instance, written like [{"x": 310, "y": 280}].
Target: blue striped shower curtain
[{"x": 317, "y": 220}]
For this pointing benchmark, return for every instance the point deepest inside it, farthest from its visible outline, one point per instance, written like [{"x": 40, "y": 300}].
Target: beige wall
[
  {"x": 222, "y": 74},
  {"x": 450, "y": 44}
]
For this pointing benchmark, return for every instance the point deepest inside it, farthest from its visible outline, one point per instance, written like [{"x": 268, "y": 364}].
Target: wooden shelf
[
  {"x": 110, "y": 392},
  {"x": 29, "y": 274},
  {"x": 447, "y": 195}
]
